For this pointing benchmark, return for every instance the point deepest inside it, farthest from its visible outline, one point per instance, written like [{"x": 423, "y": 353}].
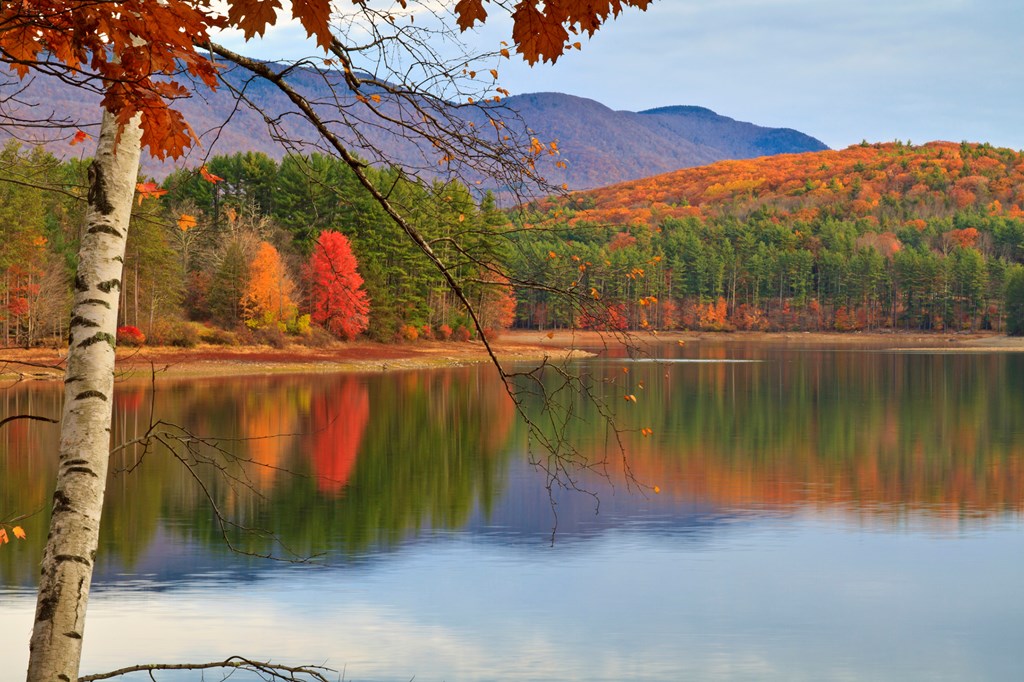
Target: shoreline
[{"x": 367, "y": 356}]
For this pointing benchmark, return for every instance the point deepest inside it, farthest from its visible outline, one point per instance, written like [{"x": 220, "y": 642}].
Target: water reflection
[
  {"x": 751, "y": 563},
  {"x": 364, "y": 463}
]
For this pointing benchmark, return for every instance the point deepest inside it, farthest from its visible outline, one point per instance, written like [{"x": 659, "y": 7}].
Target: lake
[{"x": 774, "y": 512}]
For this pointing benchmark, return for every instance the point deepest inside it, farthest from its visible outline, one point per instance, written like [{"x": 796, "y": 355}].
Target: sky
[{"x": 840, "y": 71}]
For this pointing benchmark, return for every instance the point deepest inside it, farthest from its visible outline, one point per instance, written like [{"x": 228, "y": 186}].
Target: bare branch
[
  {"x": 31, "y": 417},
  {"x": 266, "y": 670}
]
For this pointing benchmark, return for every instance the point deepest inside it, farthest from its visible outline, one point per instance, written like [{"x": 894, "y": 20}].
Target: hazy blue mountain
[{"x": 600, "y": 146}]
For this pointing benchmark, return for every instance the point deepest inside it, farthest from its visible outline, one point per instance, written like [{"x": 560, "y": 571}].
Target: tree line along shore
[{"x": 250, "y": 251}]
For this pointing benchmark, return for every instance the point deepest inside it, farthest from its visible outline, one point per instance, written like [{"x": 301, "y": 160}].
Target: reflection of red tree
[
  {"x": 128, "y": 400},
  {"x": 339, "y": 419}
]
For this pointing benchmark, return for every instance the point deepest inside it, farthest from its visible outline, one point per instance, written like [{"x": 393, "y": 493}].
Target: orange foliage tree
[
  {"x": 497, "y": 305},
  {"x": 268, "y": 298}
]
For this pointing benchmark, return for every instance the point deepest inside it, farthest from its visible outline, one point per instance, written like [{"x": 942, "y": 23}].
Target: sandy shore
[{"x": 366, "y": 356}]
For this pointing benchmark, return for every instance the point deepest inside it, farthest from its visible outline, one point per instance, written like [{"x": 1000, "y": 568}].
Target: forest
[
  {"x": 246, "y": 249},
  {"x": 877, "y": 236}
]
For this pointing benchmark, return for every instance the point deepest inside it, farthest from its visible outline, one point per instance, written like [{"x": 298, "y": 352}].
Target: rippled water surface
[{"x": 793, "y": 513}]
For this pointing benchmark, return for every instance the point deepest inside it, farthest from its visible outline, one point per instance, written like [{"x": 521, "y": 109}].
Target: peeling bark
[{"x": 68, "y": 559}]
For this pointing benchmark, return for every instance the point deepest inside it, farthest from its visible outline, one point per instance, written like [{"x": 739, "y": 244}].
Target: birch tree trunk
[{"x": 70, "y": 553}]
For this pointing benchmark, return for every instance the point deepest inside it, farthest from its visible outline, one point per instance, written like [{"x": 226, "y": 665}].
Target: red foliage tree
[{"x": 337, "y": 299}]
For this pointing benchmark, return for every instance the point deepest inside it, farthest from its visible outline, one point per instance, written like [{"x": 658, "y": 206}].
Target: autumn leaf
[
  {"x": 19, "y": 532},
  {"x": 657, "y": 490},
  {"x": 80, "y": 136},
  {"x": 186, "y": 222},
  {"x": 253, "y": 17},
  {"x": 149, "y": 189},
  {"x": 537, "y": 38},
  {"x": 315, "y": 16},
  {"x": 468, "y": 12},
  {"x": 629, "y": 398},
  {"x": 3, "y": 536},
  {"x": 208, "y": 176}
]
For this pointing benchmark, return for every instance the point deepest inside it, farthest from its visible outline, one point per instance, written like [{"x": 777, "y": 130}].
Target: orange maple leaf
[
  {"x": 80, "y": 136},
  {"x": 253, "y": 17},
  {"x": 537, "y": 38},
  {"x": 315, "y": 16},
  {"x": 186, "y": 222},
  {"x": 19, "y": 532},
  {"x": 149, "y": 189},
  {"x": 208, "y": 176},
  {"x": 468, "y": 12}
]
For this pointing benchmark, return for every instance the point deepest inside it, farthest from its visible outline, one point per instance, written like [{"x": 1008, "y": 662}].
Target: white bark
[{"x": 69, "y": 556}]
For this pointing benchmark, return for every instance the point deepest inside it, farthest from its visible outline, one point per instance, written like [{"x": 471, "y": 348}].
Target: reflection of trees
[
  {"x": 304, "y": 460},
  {"x": 932, "y": 432},
  {"x": 432, "y": 450},
  {"x": 27, "y": 465},
  {"x": 339, "y": 417},
  {"x": 366, "y": 461}
]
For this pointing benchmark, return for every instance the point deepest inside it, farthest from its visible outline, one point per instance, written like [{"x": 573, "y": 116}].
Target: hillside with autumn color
[{"x": 876, "y": 236}]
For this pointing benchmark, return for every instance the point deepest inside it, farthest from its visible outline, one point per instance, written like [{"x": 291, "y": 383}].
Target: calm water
[{"x": 822, "y": 514}]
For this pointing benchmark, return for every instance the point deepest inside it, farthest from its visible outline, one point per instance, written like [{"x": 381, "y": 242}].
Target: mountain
[
  {"x": 602, "y": 146},
  {"x": 598, "y": 145}
]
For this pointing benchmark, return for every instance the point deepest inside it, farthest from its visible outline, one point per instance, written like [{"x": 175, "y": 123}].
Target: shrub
[
  {"x": 130, "y": 336},
  {"x": 300, "y": 325},
  {"x": 318, "y": 337},
  {"x": 444, "y": 332},
  {"x": 426, "y": 332},
  {"x": 271, "y": 336},
  {"x": 174, "y": 333},
  {"x": 461, "y": 334},
  {"x": 408, "y": 333},
  {"x": 218, "y": 337}
]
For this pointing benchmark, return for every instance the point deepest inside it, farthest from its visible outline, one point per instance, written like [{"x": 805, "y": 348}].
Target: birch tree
[{"x": 67, "y": 564}]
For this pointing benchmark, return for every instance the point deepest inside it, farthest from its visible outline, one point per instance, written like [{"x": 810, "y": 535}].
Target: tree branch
[{"x": 267, "y": 670}]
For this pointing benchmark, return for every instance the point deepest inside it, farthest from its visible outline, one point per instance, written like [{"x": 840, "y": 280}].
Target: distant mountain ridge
[
  {"x": 600, "y": 146},
  {"x": 603, "y": 146}
]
